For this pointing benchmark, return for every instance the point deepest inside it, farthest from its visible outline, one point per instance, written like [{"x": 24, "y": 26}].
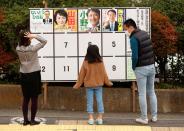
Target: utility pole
[
  {"x": 45, "y": 84},
  {"x": 45, "y": 3}
]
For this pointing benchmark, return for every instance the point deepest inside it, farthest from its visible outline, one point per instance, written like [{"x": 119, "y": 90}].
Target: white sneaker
[
  {"x": 142, "y": 121},
  {"x": 99, "y": 121},
  {"x": 90, "y": 121},
  {"x": 154, "y": 119}
]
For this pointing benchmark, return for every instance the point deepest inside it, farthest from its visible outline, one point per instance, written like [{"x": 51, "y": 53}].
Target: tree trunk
[
  {"x": 162, "y": 74},
  {"x": 165, "y": 72}
]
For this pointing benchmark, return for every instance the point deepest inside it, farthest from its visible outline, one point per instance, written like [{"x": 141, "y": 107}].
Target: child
[{"x": 94, "y": 76}]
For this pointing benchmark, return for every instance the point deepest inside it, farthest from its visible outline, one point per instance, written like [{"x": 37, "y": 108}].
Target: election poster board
[{"x": 69, "y": 31}]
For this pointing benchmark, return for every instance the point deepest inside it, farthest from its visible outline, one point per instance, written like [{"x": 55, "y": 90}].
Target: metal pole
[
  {"x": 45, "y": 87},
  {"x": 45, "y": 3}
]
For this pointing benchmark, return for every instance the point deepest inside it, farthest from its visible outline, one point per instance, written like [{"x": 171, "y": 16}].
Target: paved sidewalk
[
  {"x": 54, "y": 120},
  {"x": 55, "y": 117}
]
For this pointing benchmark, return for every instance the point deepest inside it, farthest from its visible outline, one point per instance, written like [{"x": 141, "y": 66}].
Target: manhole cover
[{"x": 20, "y": 120}]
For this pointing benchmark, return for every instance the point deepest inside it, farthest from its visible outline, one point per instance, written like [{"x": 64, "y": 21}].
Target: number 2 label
[{"x": 43, "y": 69}]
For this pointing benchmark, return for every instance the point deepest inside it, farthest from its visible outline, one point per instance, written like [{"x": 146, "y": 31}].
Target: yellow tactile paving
[
  {"x": 67, "y": 122},
  {"x": 160, "y": 129},
  {"x": 82, "y": 122},
  {"x": 73, "y": 127},
  {"x": 176, "y": 129},
  {"x": 64, "y": 127},
  {"x": 123, "y": 128},
  {"x": 16, "y": 127},
  {"x": 167, "y": 128},
  {"x": 86, "y": 127}
]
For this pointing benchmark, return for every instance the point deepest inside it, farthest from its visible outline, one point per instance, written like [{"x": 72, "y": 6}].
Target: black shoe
[
  {"x": 25, "y": 123},
  {"x": 34, "y": 123}
]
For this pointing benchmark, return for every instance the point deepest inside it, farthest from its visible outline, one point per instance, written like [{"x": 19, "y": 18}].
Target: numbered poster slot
[
  {"x": 47, "y": 69},
  {"x": 47, "y": 50},
  {"x": 66, "y": 69},
  {"x": 86, "y": 39},
  {"x": 128, "y": 47},
  {"x": 113, "y": 44},
  {"x": 65, "y": 44},
  {"x": 115, "y": 67},
  {"x": 129, "y": 71}
]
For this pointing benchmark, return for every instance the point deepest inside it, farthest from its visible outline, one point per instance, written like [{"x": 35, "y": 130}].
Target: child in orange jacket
[{"x": 94, "y": 76}]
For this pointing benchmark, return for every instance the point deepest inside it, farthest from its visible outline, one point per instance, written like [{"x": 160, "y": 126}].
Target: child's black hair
[{"x": 93, "y": 54}]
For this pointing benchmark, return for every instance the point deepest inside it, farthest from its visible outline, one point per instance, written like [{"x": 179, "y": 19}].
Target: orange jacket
[{"x": 92, "y": 75}]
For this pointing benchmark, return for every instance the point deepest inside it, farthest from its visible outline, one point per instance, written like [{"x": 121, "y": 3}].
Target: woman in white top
[{"x": 30, "y": 73}]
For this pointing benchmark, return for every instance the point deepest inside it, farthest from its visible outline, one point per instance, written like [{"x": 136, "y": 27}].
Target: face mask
[{"x": 127, "y": 33}]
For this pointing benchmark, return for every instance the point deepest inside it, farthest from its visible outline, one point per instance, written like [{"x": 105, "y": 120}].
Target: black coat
[{"x": 145, "y": 48}]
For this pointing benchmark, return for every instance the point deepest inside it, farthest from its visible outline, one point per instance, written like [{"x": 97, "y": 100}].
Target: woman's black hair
[
  {"x": 130, "y": 22},
  {"x": 93, "y": 54},
  {"x": 24, "y": 41},
  {"x": 97, "y": 11},
  {"x": 61, "y": 12}
]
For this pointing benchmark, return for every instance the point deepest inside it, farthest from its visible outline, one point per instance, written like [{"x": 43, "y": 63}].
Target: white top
[{"x": 28, "y": 56}]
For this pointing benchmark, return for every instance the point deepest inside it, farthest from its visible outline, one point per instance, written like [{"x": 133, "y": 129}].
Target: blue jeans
[
  {"x": 145, "y": 77},
  {"x": 99, "y": 98}
]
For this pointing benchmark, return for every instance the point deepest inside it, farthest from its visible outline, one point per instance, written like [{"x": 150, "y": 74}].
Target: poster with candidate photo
[
  {"x": 89, "y": 20},
  {"x": 41, "y": 21},
  {"x": 109, "y": 20},
  {"x": 112, "y": 20},
  {"x": 65, "y": 20}
]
